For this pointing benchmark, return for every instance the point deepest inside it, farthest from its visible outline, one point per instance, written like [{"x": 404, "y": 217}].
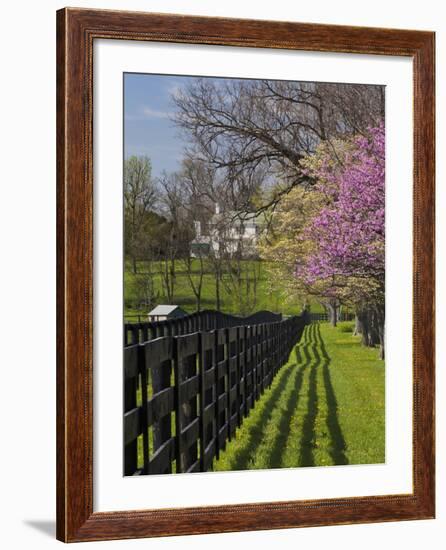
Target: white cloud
[
  {"x": 153, "y": 113},
  {"x": 147, "y": 113},
  {"x": 133, "y": 117},
  {"x": 174, "y": 89}
]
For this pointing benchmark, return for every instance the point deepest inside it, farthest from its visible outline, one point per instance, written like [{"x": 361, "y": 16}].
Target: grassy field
[
  {"x": 325, "y": 407},
  {"x": 271, "y": 294}
]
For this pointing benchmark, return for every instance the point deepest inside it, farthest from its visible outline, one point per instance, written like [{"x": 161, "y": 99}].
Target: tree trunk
[
  {"x": 370, "y": 324},
  {"x": 358, "y": 328},
  {"x": 333, "y": 309},
  {"x": 364, "y": 327},
  {"x": 376, "y": 322},
  {"x": 172, "y": 279},
  {"x": 382, "y": 352},
  {"x": 380, "y": 317}
]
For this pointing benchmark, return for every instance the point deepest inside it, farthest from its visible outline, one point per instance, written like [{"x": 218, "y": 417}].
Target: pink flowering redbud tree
[{"x": 346, "y": 253}]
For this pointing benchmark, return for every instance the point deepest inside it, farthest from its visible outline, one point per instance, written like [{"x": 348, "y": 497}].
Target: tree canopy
[{"x": 257, "y": 132}]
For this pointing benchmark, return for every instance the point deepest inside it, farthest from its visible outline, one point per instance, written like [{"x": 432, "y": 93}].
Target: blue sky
[{"x": 147, "y": 127}]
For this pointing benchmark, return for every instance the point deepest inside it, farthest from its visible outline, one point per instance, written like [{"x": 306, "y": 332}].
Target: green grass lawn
[
  {"x": 271, "y": 294},
  {"x": 324, "y": 407}
]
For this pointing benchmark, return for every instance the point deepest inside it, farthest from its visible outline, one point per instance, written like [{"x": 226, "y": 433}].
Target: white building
[
  {"x": 228, "y": 231},
  {"x": 164, "y": 312}
]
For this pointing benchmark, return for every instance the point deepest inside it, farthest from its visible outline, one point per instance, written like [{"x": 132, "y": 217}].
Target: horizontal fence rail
[
  {"x": 199, "y": 321},
  {"x": 185, "y": 395}
]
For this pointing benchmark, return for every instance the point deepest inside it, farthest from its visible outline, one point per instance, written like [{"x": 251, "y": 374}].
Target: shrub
[{"x": 346, "y": 326}]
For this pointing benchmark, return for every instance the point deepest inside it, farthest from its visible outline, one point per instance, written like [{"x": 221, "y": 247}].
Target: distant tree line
[{"x": 160, "y": 230}]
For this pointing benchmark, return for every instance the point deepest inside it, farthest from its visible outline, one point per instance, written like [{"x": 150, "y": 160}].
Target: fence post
[
  {"x": 161, "y": 376},
  {"x": 131, "y": 372},
  {"x": 144, "y": 332},
  {"x": 185, "y": 365},
  {"x": 233, "y": 382},
  {"x": 207, "y": 391},
  {"x": 217, "y": 402},
  {"x": 134, "y": 332},
  {"x": 249, "y": 371},
  {"x": 176, "y": 374},
  {"x": 269, "y": 353},
  {"x": 144, "y": 398},
  {"x": 222, "y": 408},
  {"x": 262, "y": 358}
]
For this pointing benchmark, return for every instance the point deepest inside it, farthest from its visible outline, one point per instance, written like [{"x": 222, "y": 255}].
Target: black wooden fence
[
  {"x": 201, "y": 320},
  {"x": 185, "y": 395}
]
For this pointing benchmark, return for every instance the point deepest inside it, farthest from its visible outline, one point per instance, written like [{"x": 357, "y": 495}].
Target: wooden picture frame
[{"x": 76, "y": 31}]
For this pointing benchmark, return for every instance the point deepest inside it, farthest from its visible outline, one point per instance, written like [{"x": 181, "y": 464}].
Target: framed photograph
[{"x": 245, "y": 275}]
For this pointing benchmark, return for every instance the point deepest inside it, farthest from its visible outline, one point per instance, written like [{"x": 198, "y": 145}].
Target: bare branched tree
[
  {"x": 255, "y": 132},
  {"x": 140, "y": 196}
]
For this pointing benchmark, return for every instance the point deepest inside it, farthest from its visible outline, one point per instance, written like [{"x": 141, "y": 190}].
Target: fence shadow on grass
[
  {"x": 242, "y": 458},
  {"x": 307, "y": 441},
  {"x": 276, "y": 453},
  {"x": 338, "y": 444}
]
